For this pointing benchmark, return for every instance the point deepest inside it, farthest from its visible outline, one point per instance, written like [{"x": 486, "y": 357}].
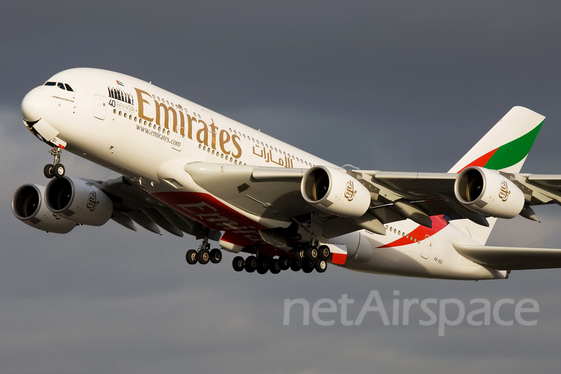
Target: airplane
[{"x": 189, "y": 170}]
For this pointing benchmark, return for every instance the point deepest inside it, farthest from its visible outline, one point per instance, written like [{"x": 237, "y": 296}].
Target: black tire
[
  {"x": 312, "y": 253},
  {"x": 284, "y": 262},
  {"x": 238, "y": 263},
  {"x": 275, "y": 266},
  {"x": 215, "y": 256},
  {"x": 296, "y": 265},
  {"x": 48, "y": 171},
  {"x": 203, "y": 256},
  {"x": 59, "y": 170},
  {"x": 263, "y": 264},
  {"x": 321, "y": 265},
  {"x": 191, "y": 257},
  {"x": 308, "y": 266},
  {"x": 250, "y": 264},
  {"x": 324, "y": 252}
]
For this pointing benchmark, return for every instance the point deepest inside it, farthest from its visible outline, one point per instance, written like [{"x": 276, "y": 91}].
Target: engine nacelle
[
  {"x": 29, "y": 207},
  {"x": 488, "y": 192},
  {"x": 335, "y": 192},
  {"x": 78, "y": 201}
]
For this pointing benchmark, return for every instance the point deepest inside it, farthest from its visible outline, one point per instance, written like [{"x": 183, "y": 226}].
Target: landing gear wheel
[
  {"x": 275, "y": 266},
  {"x": 284, "y": 262},
  {"x": 203, "y": 256},
  {"x": 295, "y": 265},
  {"x": 321, "y": 265},
  {"x": 215, "y": 256},
  {"x": 308, "y": 266},
  {"x": 238, "y": 263},
  {"x": 311, "y": 253},
  {"x": 250, "y": 264},
  {"x": 48, "y": 171},
  {"x": 59, "y": 170},
  {"x": 191, "y": 257},
  {"x": 324, "y": 252},
  {"x": 262, "y": 265},
  {"x": 300, "y": 254}
]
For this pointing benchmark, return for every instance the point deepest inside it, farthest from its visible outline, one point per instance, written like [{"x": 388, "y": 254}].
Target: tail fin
[{"x": 505, "y": 147}]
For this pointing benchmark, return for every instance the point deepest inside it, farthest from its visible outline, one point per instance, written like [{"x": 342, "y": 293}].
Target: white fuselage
[{"x": 149, "y": 134}]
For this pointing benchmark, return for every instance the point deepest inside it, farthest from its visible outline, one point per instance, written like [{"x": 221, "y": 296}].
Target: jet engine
[
  {"x": 28, "y": 206},
  {"x": 335, "y": 192},
  {"x": 78, "y": 200},
  {"x": 488, "y": 192}
]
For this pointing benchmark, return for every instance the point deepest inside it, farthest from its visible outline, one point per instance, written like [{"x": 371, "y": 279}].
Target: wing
[
  {"x": 131, "y": 204},
  {"x": 277, "y": 193}
]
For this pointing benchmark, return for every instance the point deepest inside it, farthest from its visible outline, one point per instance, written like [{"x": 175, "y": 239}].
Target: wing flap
[{"x": 511, "y": 258}]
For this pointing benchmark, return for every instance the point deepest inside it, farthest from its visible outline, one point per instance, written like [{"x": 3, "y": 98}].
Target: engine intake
[
  {"x": 28, "y": 206},
  {"x": 488, "y": 192},
  {"x": 78, "y": 201},
  {"x": 335, "y": 192}
]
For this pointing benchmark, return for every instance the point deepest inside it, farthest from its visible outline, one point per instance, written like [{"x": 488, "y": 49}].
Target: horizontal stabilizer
[{"x": 511, "y": 258}]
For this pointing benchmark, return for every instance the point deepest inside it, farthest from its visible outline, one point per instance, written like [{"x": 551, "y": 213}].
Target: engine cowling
[
  {"x": 335, "y": 192},
  {"x": 28, "y": 205},
  {"x": 78, "y": 201},
  {"x": 488, "y": 192}
]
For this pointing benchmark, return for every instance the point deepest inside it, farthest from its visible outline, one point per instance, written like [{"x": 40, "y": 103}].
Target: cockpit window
[{"x": 62, "y": 86}]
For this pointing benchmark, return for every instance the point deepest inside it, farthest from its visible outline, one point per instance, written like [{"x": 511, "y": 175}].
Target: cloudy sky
[{"x": 400, "y": 85}]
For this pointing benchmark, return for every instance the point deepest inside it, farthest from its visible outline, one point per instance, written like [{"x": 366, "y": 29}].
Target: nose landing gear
[{"x": 56, "y": 169}]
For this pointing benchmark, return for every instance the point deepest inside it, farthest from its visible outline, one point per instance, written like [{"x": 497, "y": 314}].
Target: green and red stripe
[{"x": 508, "y": 154}]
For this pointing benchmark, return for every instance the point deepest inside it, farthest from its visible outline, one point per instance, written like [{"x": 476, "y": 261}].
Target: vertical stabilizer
[{"x": 506, "y": 146}]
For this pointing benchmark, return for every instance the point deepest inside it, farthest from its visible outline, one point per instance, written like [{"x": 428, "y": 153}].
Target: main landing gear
[
  {"x": 56, "y": 169},
  {"x": 306, "y": 259},
  {"x": 204, "y": 254}
]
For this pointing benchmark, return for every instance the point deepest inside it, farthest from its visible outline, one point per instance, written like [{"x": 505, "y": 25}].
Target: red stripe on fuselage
[{"x": 420, "y": 233}]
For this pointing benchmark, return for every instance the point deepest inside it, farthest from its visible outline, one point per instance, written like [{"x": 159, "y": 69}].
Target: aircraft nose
[{"x": 31, "y": 105}]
